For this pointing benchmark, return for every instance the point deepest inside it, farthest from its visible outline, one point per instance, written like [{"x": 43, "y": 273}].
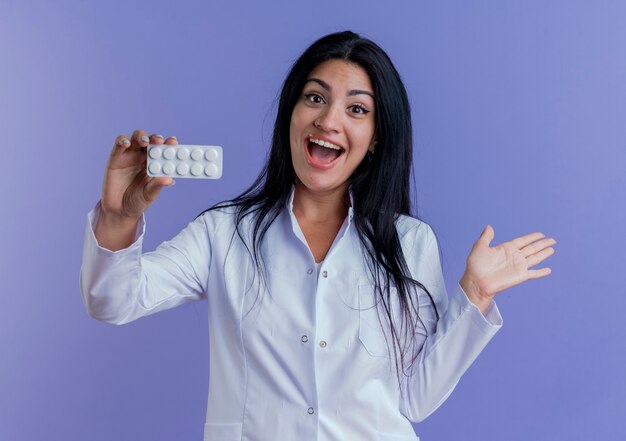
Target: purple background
[{"x": 519, "y": 114}]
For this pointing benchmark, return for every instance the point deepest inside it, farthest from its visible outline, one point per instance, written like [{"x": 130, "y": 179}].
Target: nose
[{"x": 329, "y": 120}]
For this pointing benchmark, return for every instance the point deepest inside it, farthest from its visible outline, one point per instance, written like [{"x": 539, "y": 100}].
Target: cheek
[
  {"x": 297, "y": 127},
  {"x": 295, "y": 124},
  {"x": 298, "y": 116},
  {"x": 369, "y": 134},
  {"x": 365, "y": 137}
]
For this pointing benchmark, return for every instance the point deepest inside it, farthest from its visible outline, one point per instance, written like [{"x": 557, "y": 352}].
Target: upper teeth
[{"x": 325, "y": 144}]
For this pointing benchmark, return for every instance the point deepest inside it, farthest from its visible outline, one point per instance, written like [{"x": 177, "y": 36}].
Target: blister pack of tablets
[{"x": 185, "y": 161}]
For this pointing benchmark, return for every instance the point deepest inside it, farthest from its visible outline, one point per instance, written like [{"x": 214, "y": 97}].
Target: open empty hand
[{"x": 491, "y": 270}]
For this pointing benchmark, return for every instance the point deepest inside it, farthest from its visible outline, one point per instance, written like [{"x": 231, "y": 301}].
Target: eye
[
  {"x": 359, "y": 109},
  {"x": 314, "y": 98}
]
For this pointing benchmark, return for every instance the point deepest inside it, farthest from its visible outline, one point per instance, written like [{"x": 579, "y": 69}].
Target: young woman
[{"x": 328, "y": 313}]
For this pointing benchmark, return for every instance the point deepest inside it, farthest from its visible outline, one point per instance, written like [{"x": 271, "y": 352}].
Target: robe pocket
[
  {"x": 223, "y": 432},
  {"x": 370, "y": 331}
]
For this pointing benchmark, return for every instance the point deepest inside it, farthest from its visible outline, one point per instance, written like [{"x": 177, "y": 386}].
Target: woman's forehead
[{"x": 341, "y": 74}]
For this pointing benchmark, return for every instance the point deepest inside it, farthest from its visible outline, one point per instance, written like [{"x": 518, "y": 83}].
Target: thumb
[
  {"x": 487, "y": 235},
  {"x": 155, "y": 185}
]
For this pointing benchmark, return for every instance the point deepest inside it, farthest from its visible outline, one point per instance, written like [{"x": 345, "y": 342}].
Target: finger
[
  {"x": 140, "y": 139},
  {"x": 538, "y": 273},
  {"x": 172, "y": 140},
  {"x": 122, "y": 142},
  {"x": 535, "y": 247},
  {"x": 522, "y": 241},
  {"x": 156, "y": 139},
  {"x": 487, "y": 235},
  {"x": 539, "y": 257}
]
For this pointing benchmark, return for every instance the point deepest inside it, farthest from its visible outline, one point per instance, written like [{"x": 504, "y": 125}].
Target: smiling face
[{"x": 332, "y": 126}]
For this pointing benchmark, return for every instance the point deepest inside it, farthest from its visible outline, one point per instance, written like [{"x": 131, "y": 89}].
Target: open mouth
[{"x": 323, "y": 152}]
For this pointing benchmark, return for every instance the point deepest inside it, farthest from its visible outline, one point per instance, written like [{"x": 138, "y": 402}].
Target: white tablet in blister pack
[{"x": 185, "y": 161}]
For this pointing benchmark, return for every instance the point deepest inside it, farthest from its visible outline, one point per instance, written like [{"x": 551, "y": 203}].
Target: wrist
[
  {"x": 116, "y": 220},
  {"x": 474, "y": 293},
  {"x": 115, "y": 232}
]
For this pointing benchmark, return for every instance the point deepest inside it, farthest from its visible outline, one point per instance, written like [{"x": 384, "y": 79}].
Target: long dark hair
[{"x": 380, "y": 185}]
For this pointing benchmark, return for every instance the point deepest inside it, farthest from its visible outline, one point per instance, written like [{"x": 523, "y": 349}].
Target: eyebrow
[{"x": 326, "y": 86}]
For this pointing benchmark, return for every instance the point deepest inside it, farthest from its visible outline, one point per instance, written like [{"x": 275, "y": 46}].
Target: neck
[{"x": 320, "y": 207}]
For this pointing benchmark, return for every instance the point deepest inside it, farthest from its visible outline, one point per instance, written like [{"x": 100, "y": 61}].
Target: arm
[
  {"x": 118, "y": 283},
  {"x": 451, "y": 344},
  {"x": 123, "y": 285},
  {"x": 471, "y": 320}
]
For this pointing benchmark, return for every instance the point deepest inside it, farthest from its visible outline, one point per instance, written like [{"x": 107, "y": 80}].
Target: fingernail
[
  {"x": 173, "y": 182},
  {"x": 174, "y": 138},
  {"x": 145, "y": 138},
  {"x": 125, "y": 141},
  {"x": 160, "y": 136}
]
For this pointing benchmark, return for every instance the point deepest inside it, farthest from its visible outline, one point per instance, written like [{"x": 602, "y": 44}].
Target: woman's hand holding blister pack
[{"x": 127, "y": 190}]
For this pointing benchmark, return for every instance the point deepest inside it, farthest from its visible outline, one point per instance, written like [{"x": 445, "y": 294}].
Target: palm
[{"x": 494, "y": 269}]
